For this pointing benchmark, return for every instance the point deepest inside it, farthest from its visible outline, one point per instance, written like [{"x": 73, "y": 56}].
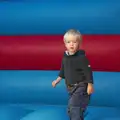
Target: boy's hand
[
  {"x": 90, "y": 89},
  {"x": 54, "y": 83}
]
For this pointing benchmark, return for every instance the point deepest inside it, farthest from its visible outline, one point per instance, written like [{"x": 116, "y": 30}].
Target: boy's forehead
[{"x": 71, "y": 37}]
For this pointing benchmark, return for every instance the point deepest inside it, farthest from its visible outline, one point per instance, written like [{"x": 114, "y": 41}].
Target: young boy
[{"x": 76, "y": 71}]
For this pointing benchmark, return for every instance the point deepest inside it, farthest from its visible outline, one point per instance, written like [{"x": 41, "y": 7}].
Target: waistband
[{"x": 77, "y": 84}]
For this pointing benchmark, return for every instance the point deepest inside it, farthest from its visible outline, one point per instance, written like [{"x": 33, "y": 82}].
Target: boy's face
[{"x": 72, "y": 44}]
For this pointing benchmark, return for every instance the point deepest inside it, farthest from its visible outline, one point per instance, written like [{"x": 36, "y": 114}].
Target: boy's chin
[{"x": 72, "y": 51}]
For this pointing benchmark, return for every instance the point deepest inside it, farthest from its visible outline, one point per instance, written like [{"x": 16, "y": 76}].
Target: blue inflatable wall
[
  {"x": 90, "y": 17},
  {"x": 35, "y": 87}
]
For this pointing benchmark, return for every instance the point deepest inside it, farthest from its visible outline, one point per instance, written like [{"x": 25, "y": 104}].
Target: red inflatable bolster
[{"x": 45, "y": 52}]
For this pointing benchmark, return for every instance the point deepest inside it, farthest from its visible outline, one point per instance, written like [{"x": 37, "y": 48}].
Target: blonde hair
[{"x": 74, "y": 33}]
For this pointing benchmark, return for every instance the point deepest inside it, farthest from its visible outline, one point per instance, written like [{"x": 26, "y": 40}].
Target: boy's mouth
[{"x": 71, "y": 47}]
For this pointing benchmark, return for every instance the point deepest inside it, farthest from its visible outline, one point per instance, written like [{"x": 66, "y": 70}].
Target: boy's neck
[{"x": 71, "y": 53}]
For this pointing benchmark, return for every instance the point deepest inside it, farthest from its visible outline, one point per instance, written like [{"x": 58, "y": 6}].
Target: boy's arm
[
  {"x": 58, "y": 80},
  {"x": 89, "y": 76},
  {"x": 88, "y": 71},
  {"x": 61, "y": 74}
]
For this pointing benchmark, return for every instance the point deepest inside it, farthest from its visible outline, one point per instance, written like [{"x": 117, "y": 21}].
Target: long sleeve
[
  {"x": 88, "y": 71},
  {"x": 61, "y": 73}
]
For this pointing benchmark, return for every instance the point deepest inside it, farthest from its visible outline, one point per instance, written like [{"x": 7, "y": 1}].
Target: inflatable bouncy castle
[{"x": 31, "y": 49}]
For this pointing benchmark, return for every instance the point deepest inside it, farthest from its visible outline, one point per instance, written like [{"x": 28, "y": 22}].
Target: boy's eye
[
  {"x": 68, "y": 41},
  {"x": 74, "y": 41},
  {"x": 71, "y": 41}
]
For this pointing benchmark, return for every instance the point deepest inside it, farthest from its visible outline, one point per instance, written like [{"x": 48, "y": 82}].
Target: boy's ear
[
  {"x": 80, "y": 42},
  {"x": 81, "y": 39}
]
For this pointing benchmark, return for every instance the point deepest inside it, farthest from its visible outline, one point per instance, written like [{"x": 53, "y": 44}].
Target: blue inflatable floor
[
  {"x": 45, "y": 112},
  {"x": 29, "y": 95}
]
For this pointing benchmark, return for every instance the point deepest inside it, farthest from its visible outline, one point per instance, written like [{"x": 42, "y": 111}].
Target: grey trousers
[{"x": 78, "y": 102}]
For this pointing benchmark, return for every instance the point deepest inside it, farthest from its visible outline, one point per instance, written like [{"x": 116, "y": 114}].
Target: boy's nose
[{"x": 71, "y": 43}]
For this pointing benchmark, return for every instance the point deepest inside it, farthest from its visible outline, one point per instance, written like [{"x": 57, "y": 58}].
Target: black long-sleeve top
[{"x": 76, "y": 68}]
